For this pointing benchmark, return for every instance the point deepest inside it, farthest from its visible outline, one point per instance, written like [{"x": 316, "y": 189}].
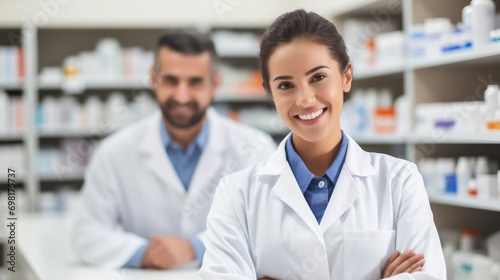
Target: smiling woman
[
  {"x": 309, "y": 97},
  {"x": 320, "y": 207}
]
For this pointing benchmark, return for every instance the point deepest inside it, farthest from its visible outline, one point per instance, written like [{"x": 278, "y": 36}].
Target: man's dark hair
[{"x": 187, "y": 42}]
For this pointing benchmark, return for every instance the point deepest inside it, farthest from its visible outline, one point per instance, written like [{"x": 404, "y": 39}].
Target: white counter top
[{"x": 43, "y": 241}]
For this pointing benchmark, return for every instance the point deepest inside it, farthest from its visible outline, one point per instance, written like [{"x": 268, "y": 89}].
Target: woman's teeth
[{"x": 311, "y": 116}]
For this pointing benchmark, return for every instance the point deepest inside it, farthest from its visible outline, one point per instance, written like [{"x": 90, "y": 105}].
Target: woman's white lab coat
[
  {"x": 261, "y": 225},
  {"x": 132, "y": 190}
]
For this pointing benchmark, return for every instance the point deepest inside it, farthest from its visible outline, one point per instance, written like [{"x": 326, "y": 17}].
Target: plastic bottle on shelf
[
  {"x": 492, "y": 166},
  {"x": 354, "y": 114},
  {"x": 384, "y": 114},
  {"x": 436, "y": 30},
  {"x": 482, "y": 22},
  {"x": 495, "y": 36},
  {"x": 417, "y": 41},
  {"x": 464, "y": 174},
  {"x": 466, "y": 26},
  {"x": 449, "y": 240},
  {"x": 73, "y": 82},
  {"x": 492, "y": 115},
  {"x": 4, "y": 111},
  {"x": 481, "y": 170},
  {"x": 484, "y": 268},
  {"x": 110, "y": 58},
  {"x": 92, "y": 113},
  {"x": 448, "y": 173},
  {"x": 498, "y": 184},
  {"x": 482, "y": 166},
  {"x": 445, "y": 180},
  {"x": 390, "y": 47},
  {"x": 402, "y": 106},
  {"x": 455, "y": 40},
  {"x": 467, "y": 16},
  {"x": 493, "y": 246},
  {"x": 462, "y": 260},
  {"x": 491, "y": 100},
  {"x": 370, "y": 103},
  {"x": 430, "y": 174},
  {"x": 70, "y": 114},
  {"x": 116, "y": 111},
  {"x": 50, "y": 114}
]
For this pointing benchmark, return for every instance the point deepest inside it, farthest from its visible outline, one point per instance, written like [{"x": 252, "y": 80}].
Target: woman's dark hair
[{"x": 300, "y": 24}]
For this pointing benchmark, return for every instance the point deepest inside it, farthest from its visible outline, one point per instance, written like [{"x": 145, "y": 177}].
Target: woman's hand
[
  {"x": 398, "y": 263},
  {"x": 401, "y": 263}
]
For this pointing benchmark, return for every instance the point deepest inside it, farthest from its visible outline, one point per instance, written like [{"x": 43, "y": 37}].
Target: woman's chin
[{"x": 310, "y": 136}]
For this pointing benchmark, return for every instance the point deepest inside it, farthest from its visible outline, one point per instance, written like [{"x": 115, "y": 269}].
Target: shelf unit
[
  {"x": 488, "y": 55},
  {"x": 11, "y": 137},
  {"x": 490, "y": 205},
  {"x": 378, "y": 71},
  {"x": 11, "y": 86},
  {"x": 99, "y": 85},
  {"x": 449, "y": 78},
  {"x": 406, "y": 78},
  {"x": 39, "y": 52},
  {"x": 16, "y": 36}
]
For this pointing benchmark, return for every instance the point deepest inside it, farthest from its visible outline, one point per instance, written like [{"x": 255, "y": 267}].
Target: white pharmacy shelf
[
  {"x": 225, "y": 97},
  {"x": 486, "y": 55},
  {"x": 366, "y": 72},
  {"x": 11, "y": 137},
  {"x": 345, "y": 8},
  {"x": 101, "y": 85},
  {"x": 62, "y": 178},
  {"x": 11, "y": 85},
  {"x": 239, "y": 55},
  {"x": 491, "y": 205},
  {"x": 369, "y": 138},
  {"x": 18, "y": 180},
  {"x": 75, "y": 134},
  {"x": 378, "y": 138},
  {"x": 457, "y": 138}
]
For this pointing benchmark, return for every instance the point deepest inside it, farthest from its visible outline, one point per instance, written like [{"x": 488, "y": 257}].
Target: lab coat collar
[
  {"x": 152, "y": 146},
  {"x": 199, "y": 142},
  {"x": 357, "y": 161},
  {"x": 153, "y": 137}
]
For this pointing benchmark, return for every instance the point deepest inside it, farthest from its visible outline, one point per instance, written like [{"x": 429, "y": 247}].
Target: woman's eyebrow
[
  {"x": 315, "y": 69},
  {"x": 307, "y": 73},
  {"x": 283, "y": 78}
]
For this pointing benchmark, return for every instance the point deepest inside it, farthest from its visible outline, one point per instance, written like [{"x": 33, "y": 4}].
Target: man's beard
[{"x": 181, "y": 121}]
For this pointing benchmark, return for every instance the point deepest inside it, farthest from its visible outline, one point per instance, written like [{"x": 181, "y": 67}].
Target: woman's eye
[
  {"x": 318, "y": 78},
  {"x": 284, "y": 86}
]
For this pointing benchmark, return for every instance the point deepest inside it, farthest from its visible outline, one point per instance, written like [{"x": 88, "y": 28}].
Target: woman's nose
[{"x": 306, "y": 98}]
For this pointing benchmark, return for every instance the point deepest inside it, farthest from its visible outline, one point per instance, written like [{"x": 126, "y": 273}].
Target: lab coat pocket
[{"x": 366, "y": 253}]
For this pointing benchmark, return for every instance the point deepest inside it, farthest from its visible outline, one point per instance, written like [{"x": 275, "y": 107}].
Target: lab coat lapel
[
  {"x": 210, "y": 165},
  {"x": 357, "y": 163},
  {"x": 287, "y": 189},
  {"x": 345, "y": 193},
  {"x": 158, "y": 161}
]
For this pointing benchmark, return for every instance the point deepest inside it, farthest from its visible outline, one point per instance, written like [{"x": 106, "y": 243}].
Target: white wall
[{"x": 155, "y": 13}]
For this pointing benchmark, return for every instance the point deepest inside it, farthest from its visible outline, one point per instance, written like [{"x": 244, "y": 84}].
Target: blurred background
[{"x": 426, "y": 89}]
